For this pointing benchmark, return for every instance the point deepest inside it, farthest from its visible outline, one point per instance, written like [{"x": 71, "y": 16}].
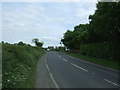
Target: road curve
[{"x": 69, "y": 72}]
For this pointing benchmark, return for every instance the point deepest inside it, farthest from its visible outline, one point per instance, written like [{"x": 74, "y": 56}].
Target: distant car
[{"x": 48, "y": 49}]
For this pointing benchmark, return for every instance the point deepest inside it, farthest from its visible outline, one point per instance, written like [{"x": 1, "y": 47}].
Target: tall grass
[
  {"x": 0, "y": 59},
  {"x": 19, "y": 64}
]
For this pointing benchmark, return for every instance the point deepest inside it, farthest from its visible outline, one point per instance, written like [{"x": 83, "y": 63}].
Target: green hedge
[
  {"x": 19, "y": 65},
  {"x": 107, "y": 50}
]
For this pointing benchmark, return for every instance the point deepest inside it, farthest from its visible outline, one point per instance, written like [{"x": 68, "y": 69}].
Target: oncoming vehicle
[{"x": 48, "y": 49}]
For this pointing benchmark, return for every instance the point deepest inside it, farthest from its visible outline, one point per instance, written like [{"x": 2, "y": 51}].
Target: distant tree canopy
[
  {"x": 104, "y": 26},
  {"x": 21, "y": 43},
  {"x": 37, "y": 43}
]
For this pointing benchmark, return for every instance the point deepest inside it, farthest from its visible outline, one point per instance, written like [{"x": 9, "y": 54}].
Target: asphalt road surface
[{"x": 69, "y": 72}]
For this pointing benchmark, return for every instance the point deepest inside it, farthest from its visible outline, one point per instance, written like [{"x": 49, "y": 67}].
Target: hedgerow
[
  {"x": 19, "y": 64},
  {"x": 107, "y": 50}
]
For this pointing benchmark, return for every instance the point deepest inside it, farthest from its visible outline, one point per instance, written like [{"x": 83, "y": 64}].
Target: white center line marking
[
  {"x": 112, "y": 82},
  {"x": 65, "y": 60},
  {"x": 79, "y": 67}
]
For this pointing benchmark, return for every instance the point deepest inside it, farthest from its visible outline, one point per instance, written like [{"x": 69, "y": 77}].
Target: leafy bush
[
  {"x": 102, "y": 50},
  {"x": 19, "y": 64}
]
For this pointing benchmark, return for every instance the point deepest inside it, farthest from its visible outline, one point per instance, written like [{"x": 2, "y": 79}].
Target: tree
[
  {"x": 104, "y": 26},
  {"x": 37, "y": 43},
  {"x": 67, "y": 39},
  {"x": 35, "y": 40},
  {"x": 21, "y": 43},
  {"x": 81, "y": 33},
  {"x": 105, "y": 23}
]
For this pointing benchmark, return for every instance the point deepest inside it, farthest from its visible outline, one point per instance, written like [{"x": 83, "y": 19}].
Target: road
[{"x": 69, "y": 72}]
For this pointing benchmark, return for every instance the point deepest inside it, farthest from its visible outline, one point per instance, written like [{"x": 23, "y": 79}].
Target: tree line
[
  {"x": 103, "y": 27},
  {"x": 34, "y": 40}
]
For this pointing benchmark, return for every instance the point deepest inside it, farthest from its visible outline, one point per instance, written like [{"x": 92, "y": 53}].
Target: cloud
[
  {"x": 23, "y": 21},
  {"x": 50, "y": 41},
  {"x": 46, "y": 21},
  {"x": 83, "y": 11},
  {"x": 49, "y": 0}
]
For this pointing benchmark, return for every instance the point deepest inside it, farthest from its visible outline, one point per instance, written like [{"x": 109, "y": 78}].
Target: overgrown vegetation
[
  {"x": 19, "y": 65},
  {"x": 0, "y": 59},
  {"x": 101, "y": 50},
  {"x": 0, "y": 65},
  {"x": 99, "y": 38}
]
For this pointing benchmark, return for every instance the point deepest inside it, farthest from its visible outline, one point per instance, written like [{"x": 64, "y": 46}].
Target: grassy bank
[
  {"x": 114, "y": 64},
  {"x": 19, "y": 65},
  {"x": 0, "y": 66}
]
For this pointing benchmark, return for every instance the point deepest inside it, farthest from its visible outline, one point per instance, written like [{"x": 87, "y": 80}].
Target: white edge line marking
[
  {"x": 65, "y": 60},
  {"x": 56, "y": 85},
  {"x": 112, "y": 82},
  {"x": 79, "y": 67}
]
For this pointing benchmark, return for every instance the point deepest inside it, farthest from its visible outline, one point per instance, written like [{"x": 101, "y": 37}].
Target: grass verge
[
  {"x": 19, "y": 65},
  {"x": 114, "y": 64}
]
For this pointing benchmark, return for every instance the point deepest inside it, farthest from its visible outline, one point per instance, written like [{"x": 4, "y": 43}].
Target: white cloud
[
  {"x": 83, "y": 11},
  {"x": 25, "y": 20},
  {"x": 50, "y": 41},
  {"x": 49, "y": 0},
  {"x": 49, "y": 38},
  {"x": 46, "y": 21}
]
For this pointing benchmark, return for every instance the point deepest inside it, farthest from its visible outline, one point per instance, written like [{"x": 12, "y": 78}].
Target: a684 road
[{"x": 69, "y": 72}]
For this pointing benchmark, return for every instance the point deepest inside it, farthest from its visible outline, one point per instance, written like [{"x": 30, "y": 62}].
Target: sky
[
  {"x": 47, "y": 21},
  {"x": 50, "y": 0}
]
